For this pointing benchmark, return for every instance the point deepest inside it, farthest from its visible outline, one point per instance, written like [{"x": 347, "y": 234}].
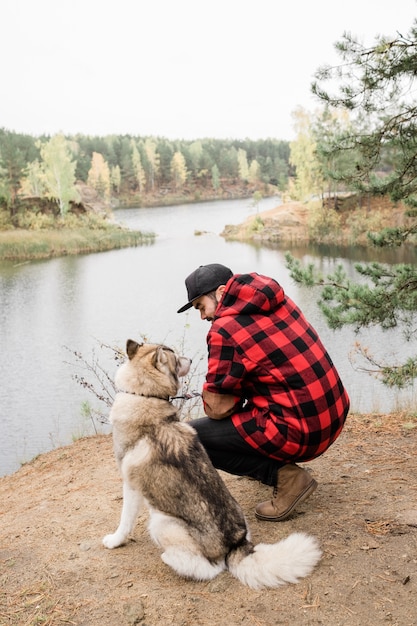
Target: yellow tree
[
  {"x": 99, "y": 175},
  {"x": 243, "y": 167},
  {"x": 33, "y": 184},
  {"x": 254, "y": 172},
  {"x": 59, "y": 171},
  {"x": 178, "y": 169},
  {"x": 137, "y": 167},
  {"x": 303, "y": 156}
]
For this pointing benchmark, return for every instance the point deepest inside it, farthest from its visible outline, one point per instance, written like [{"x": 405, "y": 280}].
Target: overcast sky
[{"x": 174, "y": 68}]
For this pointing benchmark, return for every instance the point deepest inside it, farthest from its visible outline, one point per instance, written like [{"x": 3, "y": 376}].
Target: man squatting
[{"x": 272, "y": 396}]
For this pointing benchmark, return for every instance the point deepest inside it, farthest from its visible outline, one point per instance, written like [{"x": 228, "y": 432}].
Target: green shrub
[
  {"x": 35, "y": 221},
  {"x": 256, "y": 225},
  {"x": 5, "y": 222},
  {"x": 323, "y": 222}
]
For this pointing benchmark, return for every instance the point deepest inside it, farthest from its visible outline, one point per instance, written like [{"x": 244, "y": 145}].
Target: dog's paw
[{"x": 113, "y": 541}]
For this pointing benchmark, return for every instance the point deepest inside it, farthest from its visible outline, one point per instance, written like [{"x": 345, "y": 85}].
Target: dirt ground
[
  {"x": 286, "y": 222},
  {"x": 55, "y": 510}
]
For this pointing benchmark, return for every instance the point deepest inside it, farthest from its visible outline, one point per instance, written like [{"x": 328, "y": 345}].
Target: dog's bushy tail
[{"x": 272, "y": 565}]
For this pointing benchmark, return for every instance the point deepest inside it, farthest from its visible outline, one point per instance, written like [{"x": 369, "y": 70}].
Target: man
[{"x": 272, "y": 395}]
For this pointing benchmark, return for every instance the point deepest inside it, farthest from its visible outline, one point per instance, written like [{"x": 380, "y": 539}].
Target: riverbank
[
  {"x": 22, "y": 245},
  {"x": 190, "y": 194},
  {"x": 55, "y": 510},
  {"x": 285, "y": 223},
  {"x": 300, "y": 222}
]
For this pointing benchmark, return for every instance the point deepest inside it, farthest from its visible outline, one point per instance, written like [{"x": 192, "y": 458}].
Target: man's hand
[{"x": 218, "y": 406}]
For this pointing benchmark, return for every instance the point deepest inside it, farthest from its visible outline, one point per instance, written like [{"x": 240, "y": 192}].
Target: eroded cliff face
[
  {"x": 296, "y": 222},
  {"x": 287, "y": 222},
  {"x": 88, "y": 201}
]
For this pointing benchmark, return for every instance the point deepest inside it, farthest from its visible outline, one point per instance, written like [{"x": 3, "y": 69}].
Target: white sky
[{"x": 174, "y": 68}]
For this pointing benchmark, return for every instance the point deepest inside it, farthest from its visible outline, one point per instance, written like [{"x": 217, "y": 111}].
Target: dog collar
[
  {"x": 142, "y": 395},
  {"x": 187, "y": 396}
]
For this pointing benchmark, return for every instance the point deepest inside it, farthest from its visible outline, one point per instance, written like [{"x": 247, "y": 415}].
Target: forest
[{"x": 129, "y": 169}]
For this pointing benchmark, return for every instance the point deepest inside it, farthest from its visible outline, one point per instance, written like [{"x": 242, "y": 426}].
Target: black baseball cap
[{"x": 204, "y": 279}]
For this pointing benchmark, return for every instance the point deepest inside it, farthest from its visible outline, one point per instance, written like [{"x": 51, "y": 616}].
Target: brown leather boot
[{"x": 294, "y": 485}]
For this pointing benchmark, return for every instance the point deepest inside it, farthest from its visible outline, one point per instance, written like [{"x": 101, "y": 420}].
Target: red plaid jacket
[{"x": 290, "y": 402}]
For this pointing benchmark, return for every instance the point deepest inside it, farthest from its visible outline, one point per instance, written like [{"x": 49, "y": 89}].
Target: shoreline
[
  {"x": 24, "y": 246},
  {"x": 291, "y": 222}
]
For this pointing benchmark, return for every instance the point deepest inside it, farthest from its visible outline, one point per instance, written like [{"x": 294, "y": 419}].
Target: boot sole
[{"x": 312, "y": 486}]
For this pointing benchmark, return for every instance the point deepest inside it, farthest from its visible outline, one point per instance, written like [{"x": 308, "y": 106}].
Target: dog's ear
[
  {"x": 159, "y": 356},
  {"x": 132, "y": 347}
]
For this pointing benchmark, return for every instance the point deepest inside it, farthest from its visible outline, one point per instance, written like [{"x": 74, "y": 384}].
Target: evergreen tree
[
  {"x": 126, "y": 165},
  {"x": 195, "y": 152},
  {"x": 16, "y": 151},
  {"x": 215, "y": 177},
  {"x": 115, "y": 178},
  {"x": 137, "y": 167},
  {"x": 377, "y": 85},
  {"x": 228, "y": 163},
  {"x": 165, "y": 150},
  {"x": 152, "y": 161},
  {"x": 327, "y": 126}
]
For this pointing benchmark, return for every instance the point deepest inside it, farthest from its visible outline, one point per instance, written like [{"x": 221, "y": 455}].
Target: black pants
[{"x": 229, "y": 452}]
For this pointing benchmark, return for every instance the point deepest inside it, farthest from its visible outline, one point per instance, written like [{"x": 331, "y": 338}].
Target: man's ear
[{"x": 219, "y": 292}]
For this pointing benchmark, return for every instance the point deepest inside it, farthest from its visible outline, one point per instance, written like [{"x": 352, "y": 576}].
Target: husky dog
[{"x": 193, "y": 517}]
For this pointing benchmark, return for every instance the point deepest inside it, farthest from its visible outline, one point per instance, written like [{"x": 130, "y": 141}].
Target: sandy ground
[
  {"x": 286, "y": 222},
  {"x": 55, "y": 510}
]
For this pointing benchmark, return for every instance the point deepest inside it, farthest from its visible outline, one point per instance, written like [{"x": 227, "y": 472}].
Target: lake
[{"x": 49, "y": 309}]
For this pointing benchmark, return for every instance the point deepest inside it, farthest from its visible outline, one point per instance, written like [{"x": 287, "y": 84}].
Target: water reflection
[{"x": 358, "y": 254}]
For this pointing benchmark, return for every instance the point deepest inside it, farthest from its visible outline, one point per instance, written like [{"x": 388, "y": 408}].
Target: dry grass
[
  {"x": 21, "y": 245},
  {"x": 38, "y": 603}
]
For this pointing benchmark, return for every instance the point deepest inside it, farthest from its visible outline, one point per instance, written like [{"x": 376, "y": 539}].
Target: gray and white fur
[{"x": 193, "y": 518}]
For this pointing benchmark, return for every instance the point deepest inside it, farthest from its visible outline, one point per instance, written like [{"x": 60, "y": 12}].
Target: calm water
[{"x": 49, "y": 309}]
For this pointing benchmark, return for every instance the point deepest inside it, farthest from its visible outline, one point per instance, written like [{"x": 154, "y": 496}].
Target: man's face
[{"x": 207, "y": 304}]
